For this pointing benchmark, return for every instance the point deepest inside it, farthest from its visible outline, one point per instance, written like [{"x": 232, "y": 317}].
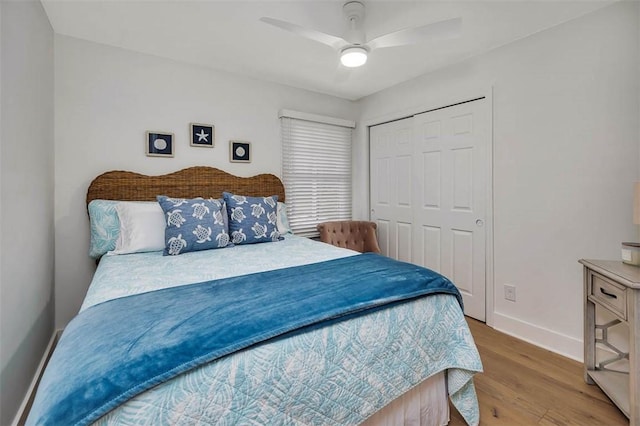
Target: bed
[{"x": 396, "y": 363}]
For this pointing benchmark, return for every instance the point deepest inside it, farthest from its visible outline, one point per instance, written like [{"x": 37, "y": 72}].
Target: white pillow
[{"x": 142, "y": 227}]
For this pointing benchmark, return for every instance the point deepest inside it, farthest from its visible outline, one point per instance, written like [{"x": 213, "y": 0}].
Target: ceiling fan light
[{"x": 353, "y": 57}]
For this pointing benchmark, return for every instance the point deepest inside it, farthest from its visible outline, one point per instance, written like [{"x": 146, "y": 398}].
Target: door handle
[{"x": 480, "y": 223}]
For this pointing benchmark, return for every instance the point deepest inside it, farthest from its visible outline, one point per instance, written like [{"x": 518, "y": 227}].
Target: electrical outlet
[{"x": 510, "y": 292}]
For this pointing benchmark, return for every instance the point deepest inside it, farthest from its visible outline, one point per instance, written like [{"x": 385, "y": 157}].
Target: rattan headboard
[{"x": 192, "y": 182}]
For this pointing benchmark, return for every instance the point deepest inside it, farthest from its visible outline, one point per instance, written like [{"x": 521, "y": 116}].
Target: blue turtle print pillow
[
  {"x": 193, "y": 224},
  {"x": 252, "y": 219}
]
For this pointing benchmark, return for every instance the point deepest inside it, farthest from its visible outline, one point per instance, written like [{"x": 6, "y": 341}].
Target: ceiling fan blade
[
  {"x": 442, "y": 30},
  {"x": 328, "y": 39}
]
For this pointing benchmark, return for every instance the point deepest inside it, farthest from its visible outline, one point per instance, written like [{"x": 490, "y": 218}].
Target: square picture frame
[
  {"x": 159, "y": 144},
  {"x": 239, "y": 152},
  {"x": 202, "y": 135}
]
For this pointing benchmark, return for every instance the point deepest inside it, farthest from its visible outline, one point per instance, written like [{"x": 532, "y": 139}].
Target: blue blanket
[{"x": 118, "y": 349}]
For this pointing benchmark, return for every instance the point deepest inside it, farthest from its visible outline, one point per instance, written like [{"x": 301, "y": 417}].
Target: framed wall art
[
  {"x": 239, "y": 152},
  {"x": 159, "y": 144},
  {"x": 203, "y": 135}
]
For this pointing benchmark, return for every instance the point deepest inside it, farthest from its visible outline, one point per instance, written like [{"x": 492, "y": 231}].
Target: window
[{"x": 316, "y": 170}]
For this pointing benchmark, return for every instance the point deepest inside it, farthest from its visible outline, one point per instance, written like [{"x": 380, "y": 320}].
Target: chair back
[{"x": 352, "y": 234}]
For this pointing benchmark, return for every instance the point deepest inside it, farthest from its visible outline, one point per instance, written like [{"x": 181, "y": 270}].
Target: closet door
[
  {"x": 450, "y": 178},
  {"x": 391, "y": 163},
  {"x": 428, "y": 193}
]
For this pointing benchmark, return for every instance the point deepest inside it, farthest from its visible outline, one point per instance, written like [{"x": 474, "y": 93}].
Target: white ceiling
[{"x": 227, "y": 35}]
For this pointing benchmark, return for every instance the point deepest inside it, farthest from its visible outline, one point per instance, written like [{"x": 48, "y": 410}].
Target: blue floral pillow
[
  {"x": 105, "y": 227},
  {"x": 252, "y": 219},
  {"x": 283, "y": 220},
  {"x": 193, "y": 224}
]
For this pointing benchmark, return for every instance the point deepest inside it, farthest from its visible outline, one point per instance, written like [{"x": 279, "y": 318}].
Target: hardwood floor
[{"x": 523, "y": 384}]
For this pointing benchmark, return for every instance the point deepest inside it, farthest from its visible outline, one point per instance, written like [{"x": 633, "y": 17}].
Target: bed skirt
[{"x": 425, "y": 405}]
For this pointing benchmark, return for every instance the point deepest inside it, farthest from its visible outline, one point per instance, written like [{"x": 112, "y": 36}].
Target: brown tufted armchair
[{"x": 352, "y": 234}]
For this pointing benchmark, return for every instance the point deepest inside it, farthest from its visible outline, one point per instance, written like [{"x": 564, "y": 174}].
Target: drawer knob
[{"x": 608, "y": 294}]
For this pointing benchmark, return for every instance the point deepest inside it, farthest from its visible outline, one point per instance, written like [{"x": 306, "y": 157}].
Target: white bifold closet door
[{"x": 428, "y": 193}]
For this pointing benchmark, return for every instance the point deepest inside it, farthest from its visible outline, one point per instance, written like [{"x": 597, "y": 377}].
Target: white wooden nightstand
[{"x": 614, "y": 286}]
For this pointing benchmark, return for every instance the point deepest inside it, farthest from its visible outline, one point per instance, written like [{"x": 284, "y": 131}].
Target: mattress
[{"x": 338, "y": 374}]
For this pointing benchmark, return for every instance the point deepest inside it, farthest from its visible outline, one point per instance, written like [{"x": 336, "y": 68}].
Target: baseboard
[
  {"x": 559, "y": 343},
  {"x": 25, "y": 407}
]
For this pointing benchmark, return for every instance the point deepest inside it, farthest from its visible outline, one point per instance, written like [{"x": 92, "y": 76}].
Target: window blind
[{"x": 316, "y": 171}]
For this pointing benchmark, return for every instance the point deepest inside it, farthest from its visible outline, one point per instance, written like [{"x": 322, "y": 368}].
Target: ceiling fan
[{"x": 354, "y": 47}]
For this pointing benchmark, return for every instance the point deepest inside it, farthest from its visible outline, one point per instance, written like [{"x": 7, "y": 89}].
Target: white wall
[
  {"x": 106, "y": 98},
  {"x": 566, "y": 108},
  {"x": 26, "y": 197}
]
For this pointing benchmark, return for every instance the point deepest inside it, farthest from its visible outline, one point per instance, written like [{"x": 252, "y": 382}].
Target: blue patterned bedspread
[{"x": 348, "y": 370}]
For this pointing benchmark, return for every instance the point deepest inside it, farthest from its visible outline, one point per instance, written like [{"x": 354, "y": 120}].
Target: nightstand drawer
[{"x": 610, "y": 295}]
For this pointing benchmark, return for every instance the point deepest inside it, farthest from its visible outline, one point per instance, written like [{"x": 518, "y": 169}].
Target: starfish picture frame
[{"x": 203, "y": 135}]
